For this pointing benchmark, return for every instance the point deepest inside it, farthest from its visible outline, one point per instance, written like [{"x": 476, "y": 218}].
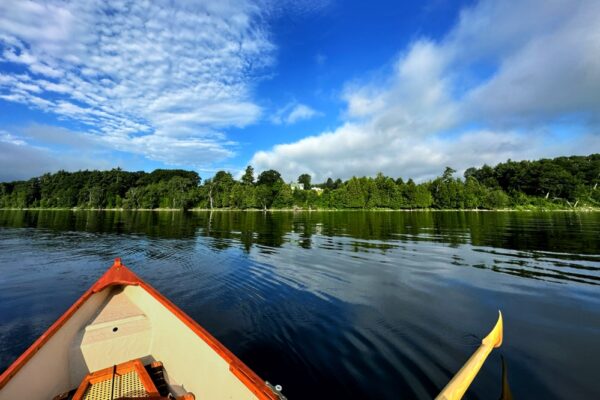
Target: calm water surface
[{"x": 344, "y": 304}]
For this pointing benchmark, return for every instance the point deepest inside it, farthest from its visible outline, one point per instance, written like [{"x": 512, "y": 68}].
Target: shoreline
[{"x": 587, "y": 209}]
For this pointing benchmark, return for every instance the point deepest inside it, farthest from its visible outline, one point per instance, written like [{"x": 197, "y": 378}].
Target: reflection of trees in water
[
  {"x": 557, "y": 232},
  {"x": 249, "y": 228},
  {"x": 154, "y": 224},
  {"x": 531, "y": 238}
]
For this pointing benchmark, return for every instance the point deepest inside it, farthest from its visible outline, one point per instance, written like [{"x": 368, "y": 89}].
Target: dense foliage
[{"x": 564, "y": 182}]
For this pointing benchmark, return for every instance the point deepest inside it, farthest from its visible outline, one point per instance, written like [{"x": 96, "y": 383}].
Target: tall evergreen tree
[{"x": 248, "y": 177}]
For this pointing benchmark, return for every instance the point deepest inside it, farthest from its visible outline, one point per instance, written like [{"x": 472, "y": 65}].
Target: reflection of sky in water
[{"x": 353, "y": 304}]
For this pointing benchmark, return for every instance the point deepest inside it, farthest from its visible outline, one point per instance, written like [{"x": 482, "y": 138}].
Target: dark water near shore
[{"x": 342, "y": 304}]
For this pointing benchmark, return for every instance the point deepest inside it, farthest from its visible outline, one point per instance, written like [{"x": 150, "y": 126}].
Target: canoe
[{"x": 122, "y": 339}]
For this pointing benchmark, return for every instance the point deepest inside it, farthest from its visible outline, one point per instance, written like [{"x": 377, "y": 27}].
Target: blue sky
[{"x": 330, "y": 88}]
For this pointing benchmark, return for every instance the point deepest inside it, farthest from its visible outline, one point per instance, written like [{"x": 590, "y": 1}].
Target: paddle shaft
[{"x": 456, "y": 388}]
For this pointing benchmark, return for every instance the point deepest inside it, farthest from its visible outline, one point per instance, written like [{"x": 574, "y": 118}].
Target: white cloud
[
  {"x": 6, "y": 137},
  {"x": 549, "y": 65},
  {"x": 301, "y": 112},
  {"x": 493, "y": 88},
  {"x": 159, "y": 78},
  {"x": 294, "y": 112}
]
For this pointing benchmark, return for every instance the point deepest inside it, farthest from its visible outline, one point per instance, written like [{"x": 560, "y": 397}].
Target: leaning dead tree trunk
[{"x": 210, "y": 197}]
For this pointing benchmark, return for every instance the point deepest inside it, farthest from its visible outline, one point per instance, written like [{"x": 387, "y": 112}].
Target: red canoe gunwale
[{"x": 119, "y": 275}]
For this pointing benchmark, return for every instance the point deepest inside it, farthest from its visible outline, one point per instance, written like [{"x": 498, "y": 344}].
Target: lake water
[{"x": 383, "y": 305}]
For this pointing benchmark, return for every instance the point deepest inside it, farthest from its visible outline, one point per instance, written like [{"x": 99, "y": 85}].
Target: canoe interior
[{"x": 119, "y": 324}]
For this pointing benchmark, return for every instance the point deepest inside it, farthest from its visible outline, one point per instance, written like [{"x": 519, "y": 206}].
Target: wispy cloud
[
  {"x": 298, "y": 8},
  {"x": 435, "y": 107},
  {"x": 157, "y": 78},
  {"x": 294, "y": 112},
  {"x": 6, "y": 137}
]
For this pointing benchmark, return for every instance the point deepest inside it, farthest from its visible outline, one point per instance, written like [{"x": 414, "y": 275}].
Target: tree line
[{"x": 563, "y": 182}]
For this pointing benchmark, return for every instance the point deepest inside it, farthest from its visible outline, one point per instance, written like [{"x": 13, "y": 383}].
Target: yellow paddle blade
[
  {"x": 456, "y": 388},
  {"x": 494, "y": 338}
]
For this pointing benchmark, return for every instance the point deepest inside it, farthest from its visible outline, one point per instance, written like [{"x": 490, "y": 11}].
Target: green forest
[{"x": 559, "y": 183}]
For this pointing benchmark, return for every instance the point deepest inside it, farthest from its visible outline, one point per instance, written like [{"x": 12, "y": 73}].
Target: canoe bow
[{"x": 456, "y": 388}]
